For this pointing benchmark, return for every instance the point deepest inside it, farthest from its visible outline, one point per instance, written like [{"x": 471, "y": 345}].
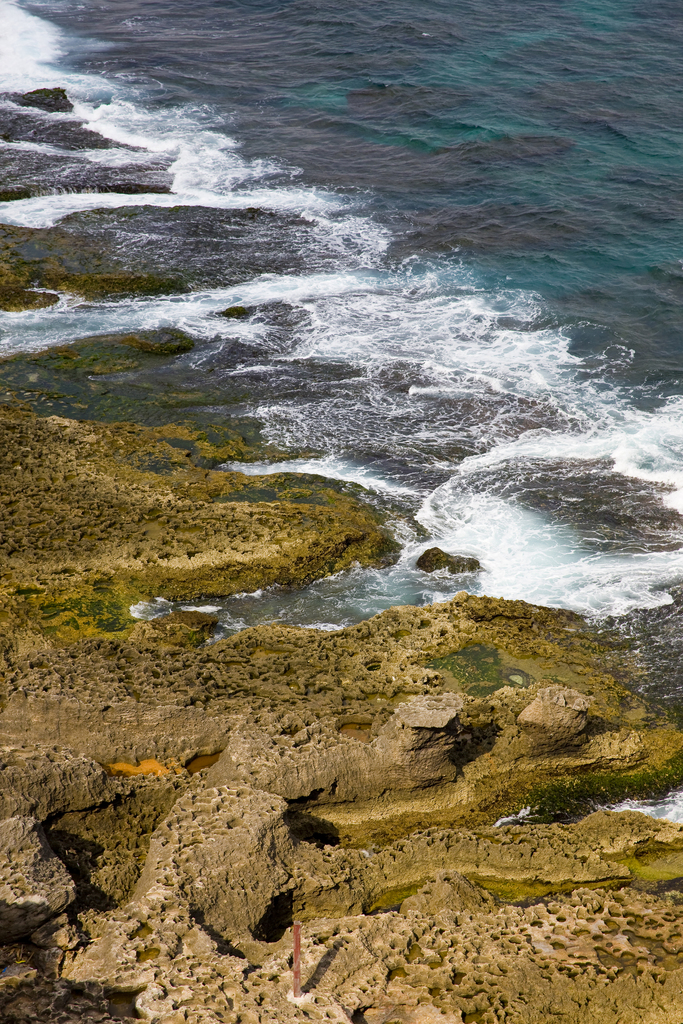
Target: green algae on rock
[
  {"x": 434, "y": 558},
  {"x": 117, "y": 378},
  {"x": 51, "y": 100},
  {"x": 148, "y": 250},
  {"x": 91, "y": 519},
  {"x": 14, "y": 299}
]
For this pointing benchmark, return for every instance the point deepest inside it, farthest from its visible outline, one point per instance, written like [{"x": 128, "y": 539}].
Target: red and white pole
[{"x": 296, "y": 987}]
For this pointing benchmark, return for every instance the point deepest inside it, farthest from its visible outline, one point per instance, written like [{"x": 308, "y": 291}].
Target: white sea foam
[
  {"x": 154, "y": 609},
  {"x": 46, "y": 211},
  {"x": 32, "y": 330},
  {"x": 330, "y": 466},
  {"x": 29, "y": 49},
  {"x": 670, "y": 806}
]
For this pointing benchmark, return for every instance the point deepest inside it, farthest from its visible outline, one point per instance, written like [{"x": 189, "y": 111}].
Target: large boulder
[
  {"x": 555, "y": 719},
  {"x": 34, "y": 884}
]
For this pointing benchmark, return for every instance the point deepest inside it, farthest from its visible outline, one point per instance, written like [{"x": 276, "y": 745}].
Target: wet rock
[
  {"x": 555, "y": 719},
  {"x": 52, "y": 100},
  {"x": 14, "y": 299},
  {"x": 161, "y": 342},
  {"x": 179, "y": 629},
  {"x": 34, "y": 884},
  {"x": 234, "y": 312},
  {"x": 143, "y": 249},
  {"x": 434, "y": 558},
  {"x": 29, "y": 124}
]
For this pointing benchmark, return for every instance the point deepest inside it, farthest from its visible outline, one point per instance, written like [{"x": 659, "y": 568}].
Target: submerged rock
[
  {"x": 434, "y": 558},
  {"x": 34, "y": 884}
]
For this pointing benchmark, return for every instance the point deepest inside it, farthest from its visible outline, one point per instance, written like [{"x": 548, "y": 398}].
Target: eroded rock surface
[
  {"x": 34, "y": 884},
  {"x": 86, "y": 530},
  {"x": 350, "y": 780},
  {"x": 555, "y": 719}
]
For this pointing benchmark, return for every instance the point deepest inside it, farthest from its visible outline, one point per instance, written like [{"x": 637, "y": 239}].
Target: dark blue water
[
  {"x": 486, "y": 300},
  {"x": 543, "y": 140}
]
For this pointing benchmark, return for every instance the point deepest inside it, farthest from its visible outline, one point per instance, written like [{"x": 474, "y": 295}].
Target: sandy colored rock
[
  {"x": 555, "y": 719},
  {"x": 57, "y": 933},
  {"x": 448, "y": 893},
  {"x": 179, "y": 629},
  {"x": 34, "y": 884}
]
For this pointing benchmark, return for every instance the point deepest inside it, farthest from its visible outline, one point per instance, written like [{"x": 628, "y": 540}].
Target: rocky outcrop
[
  {"x": 50, "y": 100},
  {"x": 413, "y": 750},
  {"x": 34, "y": 884},
  {"x": 35, "y": 782},
  {"x": 555, "y": 720},
  {"x": 433, "y": 559},
  {"x": 449, "y": 949}
]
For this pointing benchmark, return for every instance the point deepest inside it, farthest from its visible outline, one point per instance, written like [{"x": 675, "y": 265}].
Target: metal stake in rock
[{"x": 296, "y": 987}]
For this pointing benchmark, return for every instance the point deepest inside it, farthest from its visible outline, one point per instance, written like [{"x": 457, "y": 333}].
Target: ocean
[{"x": 466, "y": 272}]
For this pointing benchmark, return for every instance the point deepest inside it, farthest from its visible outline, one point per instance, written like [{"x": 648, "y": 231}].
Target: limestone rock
[
  {"x": 412, "y": 750},
  {"x": 448, "y": 892},
  {"x": 555, "y": 719},
  {"x": 204, "y": 543},
  {"x": 38, "y": 782},
  {"x": 109, "y": 732},
  {"x": 34, "y": 884},
  {"x": 56, "y": 934},
  {"x": 434, "y": 558},
  {"x": 224, "y": 849}
]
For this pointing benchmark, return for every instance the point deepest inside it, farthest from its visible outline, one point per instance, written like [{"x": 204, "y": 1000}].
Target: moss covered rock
[
  {"x": 95, "y": 516},
  {"x": 51, "y": 100}
]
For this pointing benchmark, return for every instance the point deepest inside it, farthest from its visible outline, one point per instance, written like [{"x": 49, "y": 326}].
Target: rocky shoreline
[
  {"x": 172, "y": 802},
  {"x": 171, "y": 805}
]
